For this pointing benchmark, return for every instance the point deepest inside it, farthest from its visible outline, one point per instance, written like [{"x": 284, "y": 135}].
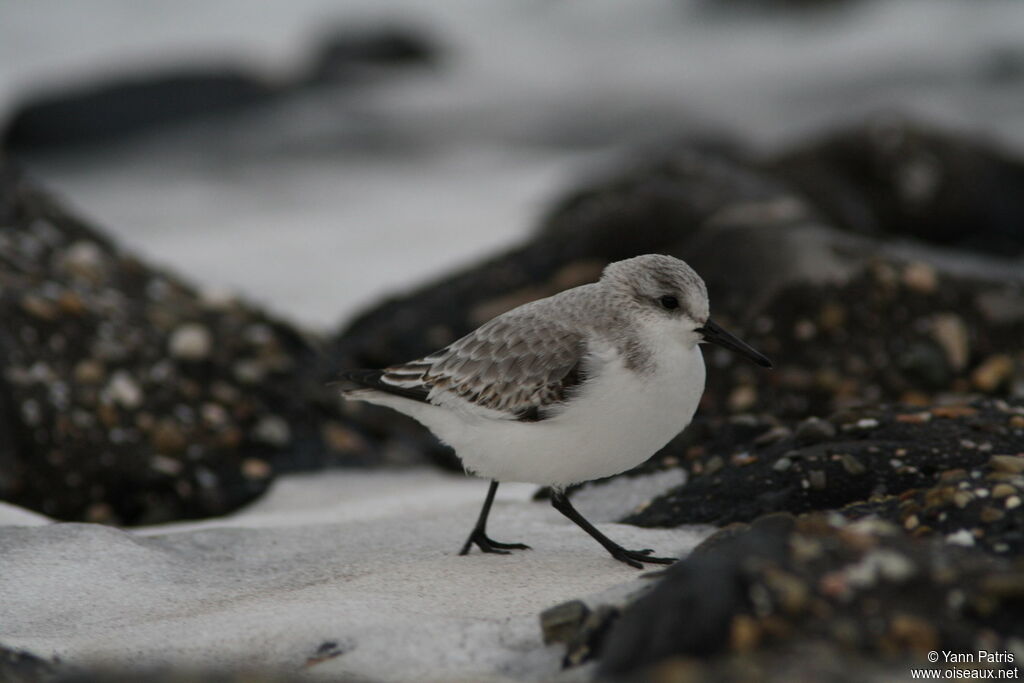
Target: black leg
[
  {"x": 479, "y": 535},
  {"x": 631, "y": 557}
]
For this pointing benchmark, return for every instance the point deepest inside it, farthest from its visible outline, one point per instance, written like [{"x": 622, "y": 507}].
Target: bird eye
[{"x": 669, "y": 302}]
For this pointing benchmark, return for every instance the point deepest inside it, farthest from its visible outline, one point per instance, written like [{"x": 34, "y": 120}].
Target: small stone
[
  {"x": 1017, "y": 421},
  {"x": 273, "y": 430},
  {"x": 742, "y": 398},
  {"x": 214, "y": 415},
  {"x": 254, "y": 468},
  {"x": 167, "y": 437},
  {"x": 962, "y": 498},
  {"x": 804, "y": 329},
  {"x": 832, "y": 317},
  {"x": 342, "y": 439},
  {"x": 124, "y": 390},
  {"x": 962, "y": 537},
  {"x": 992, "y": 373},
  {"x": 911, "y": 523},
  {"x": 84, "y": 259},
  {"x": 561, "y": 623},
  {"x": 249, "y": 371},
  {"x": 920, "y": 277},
  {"x": 867, "y": 423},
  {"x": 915, "y": 633},
  {"x": 814, "y": 429},
  {"x": 782, "y": 464},
  {"x": 38, "y": 307},
  {"x": 990, "y": 514},
  {"x": 744, "y": 633},
  {"x": 743, "y": 459},
  {"x": 852, "y": 465},
  {"x": 817, "y": 479},
  {"x": 191, "y": 341},
  {"x": 774, "y": 434},
  {"x": 714, "y": 464},
  {"x": 89, "y": 371},
  {"x": 1003, "y": 491},
  {"x": 914, "y": 418},
  {"x": 954, "y": 411},
  {"x": 1012, "y": 502},
  {"x": 1012, "y": 464},
  {"x": 165, "y": 465},
  {"x": 950, "y": 331}
]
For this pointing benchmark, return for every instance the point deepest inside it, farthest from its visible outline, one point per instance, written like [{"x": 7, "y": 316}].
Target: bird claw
[
  {"x": 487, "y": 545},
  {"x": 635, "y": 558}
]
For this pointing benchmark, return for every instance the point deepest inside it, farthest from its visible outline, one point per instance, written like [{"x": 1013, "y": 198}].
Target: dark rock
[
  {"x": 119, "y": 396},
  {"x": 865, "y": 594},
  {"x": 112, "y": 110},
  {"x": 896, "y": 177},
  {"x": 350, "y": 51},
  {"x": 890, "y": 461},
  {"x": 19, "y": 666},
  {"x": 560, "y": 622}
]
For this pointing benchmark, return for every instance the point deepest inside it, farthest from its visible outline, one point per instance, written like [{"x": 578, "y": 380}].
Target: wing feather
[{"x": 520, "y": 364}]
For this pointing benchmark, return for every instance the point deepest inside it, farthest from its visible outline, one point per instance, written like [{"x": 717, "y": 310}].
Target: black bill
[{"x": 716, "y": 335}]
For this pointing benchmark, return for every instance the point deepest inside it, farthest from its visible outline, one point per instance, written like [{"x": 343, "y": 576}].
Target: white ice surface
[{"x": 366, "y": 560}]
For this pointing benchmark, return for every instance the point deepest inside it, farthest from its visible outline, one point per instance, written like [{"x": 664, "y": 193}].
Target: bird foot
[
  {"x": 634, "y": 558},
  {"x": 487, "y": 545}
]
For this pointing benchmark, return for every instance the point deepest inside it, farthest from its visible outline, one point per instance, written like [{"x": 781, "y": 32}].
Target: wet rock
[
  {"x": 103, "y": 112},
  {"x": 19, "y": 666},
  {"x": 863, "y": 593},
  {"x": 350, "y": 52},
  {"x": 876, "y": 463},
  {"x": 895, "y": 176},
  {"x": 119, "y": 401}
]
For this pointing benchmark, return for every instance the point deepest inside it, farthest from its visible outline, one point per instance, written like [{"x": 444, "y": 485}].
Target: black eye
[{"x": 669, "y": 302}]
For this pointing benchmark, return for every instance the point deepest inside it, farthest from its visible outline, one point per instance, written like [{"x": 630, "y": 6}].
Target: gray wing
[{"x": 519, "y": 364}]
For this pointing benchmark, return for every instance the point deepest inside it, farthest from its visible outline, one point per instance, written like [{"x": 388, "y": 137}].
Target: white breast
[{"x": 619, "y": 419}]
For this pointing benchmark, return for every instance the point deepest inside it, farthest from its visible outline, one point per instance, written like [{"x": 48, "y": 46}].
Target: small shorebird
[{"x": 580, "y": 385}]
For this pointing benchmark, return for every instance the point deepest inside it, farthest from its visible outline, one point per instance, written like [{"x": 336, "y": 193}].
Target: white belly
[{"x": 618, "y": 421}]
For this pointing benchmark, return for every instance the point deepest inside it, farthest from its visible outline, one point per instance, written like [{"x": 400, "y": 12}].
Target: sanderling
[{"x": 580, "y": 385}]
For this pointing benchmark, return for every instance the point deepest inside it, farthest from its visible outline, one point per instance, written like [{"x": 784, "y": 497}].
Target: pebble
[
  {"x": 84, "y": 259},
  {"x": 962, "y": 537},
  {"x": 559, "y": 624},
  {"x": 814, "y": 429},
  {"x": 852, "y": 465},
  {"x": 744, "y": 633},
  {"x": 742, "y": 398},
  {"x": 254, "y": 468},
  {"x": 272, "y": 430},
  {"x": 816, "y": 479},
  {"x": 89, "y": 371},
  {"x": 168, "y": 437},
  {"x": 992, "y": 372},
  {"x": 950, "y": 331},
  {"x": 1003, "y": 490},
  {"x": 342, "y": 439},
  {"x": 782, "y": 464},
  {"x": 920, "y": 277},
  {"x": 1012, "y": 502},
  {"x": 1012, "y": 464},
  {"x": 124, "y": 390},
  {"x": 190, "y": 341}
]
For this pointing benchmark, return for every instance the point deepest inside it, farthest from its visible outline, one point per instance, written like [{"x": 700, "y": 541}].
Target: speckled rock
[
  {"x": 928, "y": 470},
  {"x": 753, "y": 599},
  {"x": 119, "y": 400}
]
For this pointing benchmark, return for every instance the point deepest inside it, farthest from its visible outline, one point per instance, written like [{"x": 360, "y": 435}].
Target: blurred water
[{"x": 322, "y": 202}]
